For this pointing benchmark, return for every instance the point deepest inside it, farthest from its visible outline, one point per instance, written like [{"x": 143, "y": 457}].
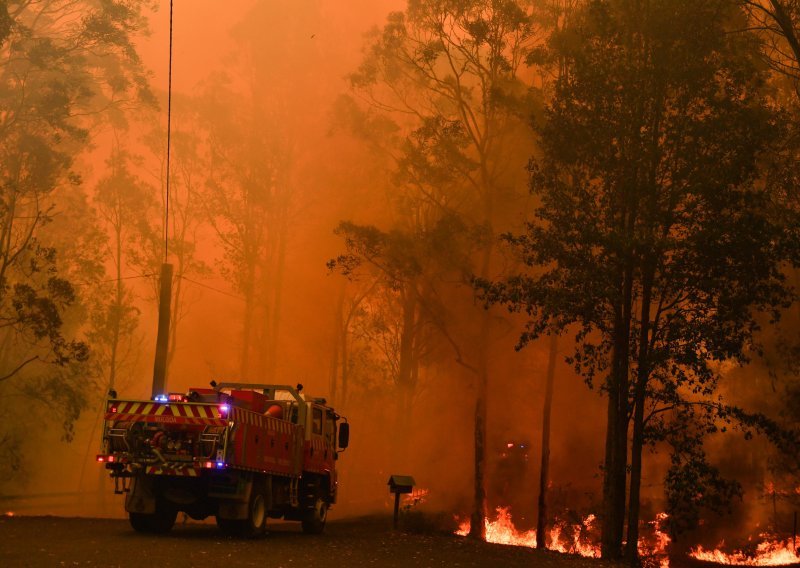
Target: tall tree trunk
[
  {"x": 614, "y": 481},
  {"x": 541, "y": 521},
  {"x": 338, "y": 329},
  {"x": 477, "y": 526},
  {"x": 271, "y": 295},
  {"x": 116, "y": 310},
  {"x": 406, "y": 364},
  {"x": 345, "y": 354},
  {"x": 277, "y": 301},
  {"x": 637, "y": 444},
  {"x": 247, "y": 325}
]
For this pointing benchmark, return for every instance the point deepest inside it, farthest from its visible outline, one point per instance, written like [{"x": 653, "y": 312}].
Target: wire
[
  {"x": 218, "y": 291},
  {"x": 169, "y": 133},
  {"x": 84, "y": 283}
]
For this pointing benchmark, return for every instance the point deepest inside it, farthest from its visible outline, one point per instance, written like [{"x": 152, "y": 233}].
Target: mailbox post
[{"x": 399, "y": 484}]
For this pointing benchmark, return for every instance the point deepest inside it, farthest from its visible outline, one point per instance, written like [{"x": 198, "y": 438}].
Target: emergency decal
[
  {"x": 201, "y": 414},
  {"x": 188, "y": 471}
]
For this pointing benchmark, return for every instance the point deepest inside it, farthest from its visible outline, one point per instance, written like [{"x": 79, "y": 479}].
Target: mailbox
[{"x": 399, "y": 484}]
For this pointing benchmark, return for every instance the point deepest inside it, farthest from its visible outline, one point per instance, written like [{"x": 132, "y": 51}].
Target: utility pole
[{"x": 162, "y": 339}]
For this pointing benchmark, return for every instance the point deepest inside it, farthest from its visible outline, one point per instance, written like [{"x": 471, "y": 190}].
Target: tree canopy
[{"x": 655, "y": 235}]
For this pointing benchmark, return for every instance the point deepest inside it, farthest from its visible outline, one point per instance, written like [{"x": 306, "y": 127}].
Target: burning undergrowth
[
  {"x": 766, "y": 550},
  {"x": 582, "y": 538}
]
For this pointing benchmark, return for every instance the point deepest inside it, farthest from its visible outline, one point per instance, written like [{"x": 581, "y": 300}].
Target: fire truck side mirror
[{"x": 344, "y": 435}]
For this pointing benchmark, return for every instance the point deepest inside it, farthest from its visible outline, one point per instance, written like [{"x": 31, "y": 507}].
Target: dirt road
[{"x": 56, "y": 541}]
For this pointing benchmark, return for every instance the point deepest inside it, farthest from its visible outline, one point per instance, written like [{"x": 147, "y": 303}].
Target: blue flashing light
[
  {"x": 161, "y": 398},
  {"x": 224, "y": 408},
  {"x": 220, "y": 464}
]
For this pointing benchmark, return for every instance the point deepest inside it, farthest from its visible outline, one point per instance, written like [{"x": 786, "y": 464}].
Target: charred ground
[{"x": 366, "y": 541}]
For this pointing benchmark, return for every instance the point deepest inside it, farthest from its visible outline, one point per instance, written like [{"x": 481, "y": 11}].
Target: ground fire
[
  {"x": 577, "y": 538},
  {"x": 768, "y": 552},
  {"x": 581, "y": 539}
]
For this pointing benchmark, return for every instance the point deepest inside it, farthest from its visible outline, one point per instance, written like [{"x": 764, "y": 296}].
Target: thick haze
[
  {"x": 305, "y": 75},
  {"x": 286, "y": 63}
]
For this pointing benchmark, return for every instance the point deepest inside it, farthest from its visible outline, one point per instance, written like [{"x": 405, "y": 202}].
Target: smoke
[{"x": 290, "y": 59}]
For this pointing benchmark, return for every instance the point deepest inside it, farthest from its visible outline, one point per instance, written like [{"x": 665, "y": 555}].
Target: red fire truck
[{"x": 240, "y": 452}]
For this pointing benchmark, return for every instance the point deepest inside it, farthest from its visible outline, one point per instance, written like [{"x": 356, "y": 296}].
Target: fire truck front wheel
[{"x": 314, "y": 518}]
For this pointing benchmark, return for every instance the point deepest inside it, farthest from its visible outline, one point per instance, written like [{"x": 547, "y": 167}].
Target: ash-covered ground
[{"x": 58, "y": 541}]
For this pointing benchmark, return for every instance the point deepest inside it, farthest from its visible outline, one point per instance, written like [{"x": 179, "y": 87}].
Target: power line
[
  {"x": 112, "y": 280},
  {"x": 217, "y": 290},
  {"x": 169, "y": 135}
]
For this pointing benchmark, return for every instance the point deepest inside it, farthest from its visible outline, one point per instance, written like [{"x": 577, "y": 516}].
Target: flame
[
  {"x": 503, "y": 531},
  {"x": 560, "y": 542},
  {"x": 9, "y": 513},
  {"x": 416, "y": 497},
  {"x": 770, "y": 552},
  {"x": 661, "y": 539},
  {"x": 569, "y": 539},
  {"x": 572, "y": 539}
]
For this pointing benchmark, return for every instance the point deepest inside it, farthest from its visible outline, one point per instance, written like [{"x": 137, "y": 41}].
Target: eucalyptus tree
[
  {"x": 64, "y": 66},
  {"x": 187, "y": 215},
  {"x": 123, "y": 204},
  {"x": 777, "y": 23},
  {"x": 450, "y": 77},
  {"x": 654, "y": 235},
  {"x": 401, "y": 311},
  {"x": 243, "y": 196}
]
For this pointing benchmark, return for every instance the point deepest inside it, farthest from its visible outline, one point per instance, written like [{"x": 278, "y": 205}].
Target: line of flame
[
  {"x": 502, "y": 531},
  {"x": 770, "y": 552}
]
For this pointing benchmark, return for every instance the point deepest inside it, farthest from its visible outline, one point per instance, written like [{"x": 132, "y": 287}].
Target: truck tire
[
  {"x": 254, "y": 525},
  {"x": 256, "y": 521},
  {"x": 314, "y": 519},
  {"x": 159, "y": 522}
]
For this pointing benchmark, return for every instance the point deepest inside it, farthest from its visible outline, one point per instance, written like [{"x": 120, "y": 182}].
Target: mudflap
[
  {"x": 141, "y": 498},
  {"x": 233, "y": 510}
]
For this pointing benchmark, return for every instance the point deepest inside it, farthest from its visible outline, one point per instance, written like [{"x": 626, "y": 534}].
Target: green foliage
[
  {"x": 66, "y": 66},
  {"x": 653, "y": 212},
  {"x": 692, "y": 485}
]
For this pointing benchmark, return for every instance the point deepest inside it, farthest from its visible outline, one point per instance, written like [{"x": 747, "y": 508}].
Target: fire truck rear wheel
[
  {"x": 314, "y": 519},
  {"x": 254, "y": 525},
  {"x": 256, "y": 521},
  {"x": 159, "y": 522}
]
